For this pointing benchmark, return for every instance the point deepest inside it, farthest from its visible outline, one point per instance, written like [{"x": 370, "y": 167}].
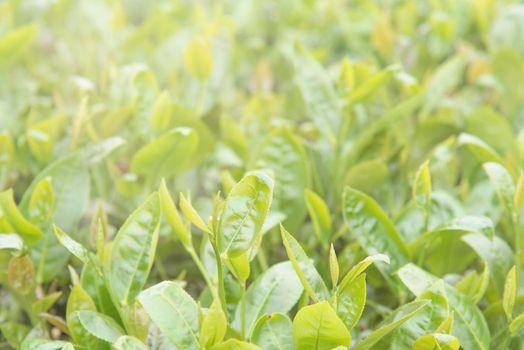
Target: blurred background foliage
[{"x": 107, "y": 97}]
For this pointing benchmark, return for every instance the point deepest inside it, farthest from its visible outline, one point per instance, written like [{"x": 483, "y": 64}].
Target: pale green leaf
[
  {"x": 319, "y": 214},
  {"x": 133, "y": 251},
  {"x": 174, "y": 312},
  {"x": 374, "y": 231},
  {"x": 397, "y": 318},
  {"x": 276, "y": 290},
  {"x": 284, "y": 154},
  {"x": 244, "y": 213},
  {"x": 167, "y": 155},
  {"x": 71, "y": 245},
  {"x": 101, "y": 326},
  {"x": 127, "y": 342},
  {"x": 273, "y": 332},
  {"x": 351, "y": 299},
  {"x": 469, "y": 325},
  {"x": 304, "y": 267}
]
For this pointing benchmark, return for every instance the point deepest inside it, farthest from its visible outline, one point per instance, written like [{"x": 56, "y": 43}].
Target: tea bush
[{"x": 258, "y": 174}]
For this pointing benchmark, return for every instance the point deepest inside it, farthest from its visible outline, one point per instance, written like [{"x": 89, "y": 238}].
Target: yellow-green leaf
[
  {"x": 510, "y": 291},
  {"x": 198, "y": 57},
  {"x": 173, "y": 218},
  {"x": 317, "y": 327}
]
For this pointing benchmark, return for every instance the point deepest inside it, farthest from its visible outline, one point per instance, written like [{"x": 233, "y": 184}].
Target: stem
[
  {"x": 243, "y": 310},
  {"x": 220, "y": 277},
  {"x": 202, "y": 269}
]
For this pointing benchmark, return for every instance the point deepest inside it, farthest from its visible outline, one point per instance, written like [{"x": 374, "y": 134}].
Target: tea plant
[{"x": 261, "y": 175}]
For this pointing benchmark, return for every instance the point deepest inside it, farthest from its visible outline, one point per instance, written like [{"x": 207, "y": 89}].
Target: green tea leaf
[
  {"x": 244, "y": 213},
  {"x": 367, "y": 175},
  {"x": 79, "y": 300},
  {"x": 101, "y": 326},
  {"x": 42, "y": 136},
  {"x": 192, "y": 215},
  {"x": 474, "y": 284},
  {"x": 361, "y": 267},
  {"x": 374, "y": 230},
  {"x": 174, "y": 312},
  {"x": 436, "y": 341},
  {"x": 214, "y": 325},
  {"x": 239, "y": 266},
  {"x": 95, "y": 285},
  {"x": 479, "y": 148},
  {"x": 42, "y": 344},
  {"x": 503, "y": 183},
  {"x": 173, "y": 218},
  {"x": 304, "y": 268},
  {"x": 446, "y": 78},
  {"x": 234, "y": 136},
  {"x": 44, "y": 304},
  {"x": 162, "y": 113},
  {"x": 42, "y": 202},
  {"x": 397, "y": 318},
  {"x": 136, "y": 320},
  {"x": 283, "y": 153},
  {"x": 422, "y": 186},
  {"x": 11, "y": 241},
  {"x": 12, "y": 220},
  {"x": 469, "y": 325},
  {"x": 14, "y": 333},
  {"x": 351, "y": 299},
  {"x": 317, "y": 327},
  {"x": 21, "y": 274},
  {"x": 7, "y": 149},
  {"x": 127, "y": 342},
  {"x": 370, "y": 86},
  {"x": 16, "y": 42},
  {"x": 273, "y": 332},
  {"x": 277, "y": 290},
  {"x": 133, "y": 251},
  {"x": 167, "y": 155},
  {"x": 319, "y": 214},
  {"x": 318, "y": 93},
  {"x": 71, "y": 245},
  {"x": 364, "y": 139},
  {"x": 496, "y": 253},
  {"x": 235, "y": 344},
  {"x": 516, "y": 325},
  {"x": 428, "y": 320},
  {"x": 198, "y": 58},
  {"x": 492, "y": 128},
  {"x": 70, "y": 197},
  {"x": 71, "y": 187},
  {"x": 510, "y": 291},
  {"x": 334, "y": 269}
]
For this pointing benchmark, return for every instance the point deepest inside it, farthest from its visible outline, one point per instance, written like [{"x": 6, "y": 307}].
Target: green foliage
[{"x": 261, "y": 175}]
